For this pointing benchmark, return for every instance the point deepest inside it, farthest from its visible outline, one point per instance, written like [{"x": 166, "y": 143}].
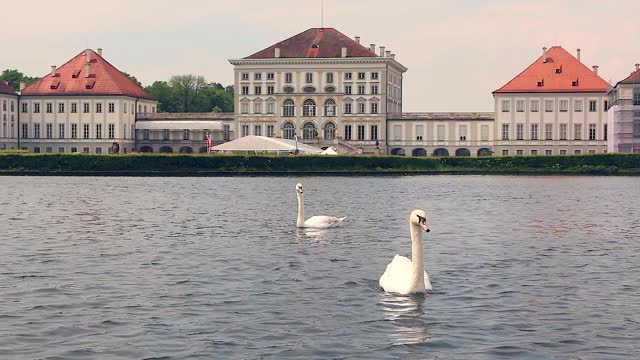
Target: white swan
[
  {"x": 317, "y": 222},
  {"x": 404, "y": 276}
]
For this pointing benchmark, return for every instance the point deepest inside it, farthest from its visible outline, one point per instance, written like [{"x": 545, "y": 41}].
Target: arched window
[
  {"x": 330, "y": 108},
  {"x": 288, "y": 108},
  {"x": 330, "y": 131},
  {"x": 309, "y": 131},
  {"x": 309, "y": 108},
  {"x": 288, "y": 130}
]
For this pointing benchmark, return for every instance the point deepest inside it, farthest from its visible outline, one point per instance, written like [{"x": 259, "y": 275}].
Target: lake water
[{"x": 203, "y": 268}]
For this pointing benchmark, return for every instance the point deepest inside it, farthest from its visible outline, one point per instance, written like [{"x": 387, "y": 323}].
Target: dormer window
[
  {"x": 574, "y": 83},
  {"x": 540, "y": 83},
  {"x": 54, "y": 85},
  {"x": 75, "y": 74},
  {"x": 559, "y": 70},
  {"x": 90, "y": 84}
]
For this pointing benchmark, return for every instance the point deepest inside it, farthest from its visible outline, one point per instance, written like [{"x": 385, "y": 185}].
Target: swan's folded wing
[
  {"x": 395, "y": 277},
  {"x": 323, "y": 221}
]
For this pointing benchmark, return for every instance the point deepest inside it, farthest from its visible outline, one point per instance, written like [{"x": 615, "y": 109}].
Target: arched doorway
[
  {"x": 146, "y": 149},
  {"x": 419, "y": 152},
  {"x": 166, "y": 149},
  {"x": 463, "y": 152},
  {"x": 440, "y": 152},
  {"x": 186, "y": 150},
  {"x": 398, "y": 152},
  {"x": 309, "y": 131},
  {"x": 485, "y": 152}
]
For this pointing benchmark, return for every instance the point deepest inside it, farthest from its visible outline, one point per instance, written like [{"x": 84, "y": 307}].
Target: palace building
[
  {"x": 85, "y": 105},
  {"x": 321, "y": 86},
  {"x": 9, "y": 116},
  {"x": 624, "y": 115},
  {"x": 556, "y": 106}
]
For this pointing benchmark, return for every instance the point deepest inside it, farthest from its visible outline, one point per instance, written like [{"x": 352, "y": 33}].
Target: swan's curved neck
[
  {"x": 300, "y": 220},
  {"x": 417, "y": 258}
]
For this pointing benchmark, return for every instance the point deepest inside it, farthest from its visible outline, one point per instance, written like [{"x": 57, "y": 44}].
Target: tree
[
  {"x": 15, "y": 77},
  {"x": 168, "y": 101},
  {"x": 187, "y": 86},
  {"x": 132, "y": 78}
]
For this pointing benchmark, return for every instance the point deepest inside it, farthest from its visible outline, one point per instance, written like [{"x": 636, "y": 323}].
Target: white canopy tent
[
  {"x": 263, "y": 144},
  {"x": 330, "y": 151}
]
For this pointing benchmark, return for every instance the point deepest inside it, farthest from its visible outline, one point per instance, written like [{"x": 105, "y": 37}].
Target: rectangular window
[
  {"x": 49, "y": 108},
  {"x": 505, "y": 152},
  {"x": 636, "y": 97},
  {"x": 348, "y": 76},
  {"x": 519, "y": 131},
  {"x": 636, "y": 124},
  {"x": 61, "y": 131},
  {"x": 548, "y": 131},
  {"x": 563, "y": 131},
  {"x": 347, "y": 89},
  {"x": 99, "y": 150},
  {"x": 244, "y": 76},
  {"x": 85, "y": 150},
  {"x": 564, "y": 105},
  {"x": 85, "y": 108},
  {"x": 48, "y": 149},
  {"x": 606, "y": 105},
  {"x": 124, "y": 108},
  {"x": 462, "y": 129},
  {"x": 245, "y": 90},
  {"x": 362, "y": 107},
  {"x": 49, "y": 133},
  {"x": 25, "y": 131},
  {"x": 361, "y": 76},
  {"x": 74, "y": 108},
  {"x": 60, "y": 149},
  {"x": 244, "y": 108},
  {"x": 360, "y": 132},
  {"x": 548, "y": 105},
  {"x": 329, "y": 78},
  {"x": 61, "y": 108},
  {"x": 606, "y": 136},
  {"x": 145, "y": 134},
  {"x": 374, "y": 132},
  {"x": 506, "y": 104},
  {"x": 577, "y": 105},
  {"x": 577, "y": 152},
  {"x": 288, "y": 78},
  {"x": 534, "y": 152},
  {"x": 99, "y": 108},
  {"x": 112, "y": 107},
  {"x": 112, "y": 131},
  {"x": 577, "y": 132},
  {"x": 257, "y": 130},
  {"x": 519, "y": 152},
  {"x": 441, "y": 133},
  {"x": 374, "y": 89},
  {"x": 186, "y": 134},
  {"x": 270, "y": 76},
  {"x": 257, "y": 107},
  {"x": 548, "y": 152},
  {"x": 226, "y": 133},
  {"x": 74, "y": 131},
  {"x": 484, "y": 133},
  {"x": 593, "y": 105},
  {"x": 36, "y": 108},
  {"x": 245, "y": 130},
  {"x": 360, "y": 89},
  {"x": 534, "y": 131},
  {"x": 308, "y": 77},
  {"x": 85, "y": 131},
  {"x": 347, "y": 132},
  {"x": 258, "y": 90},
  {"x": 12, "y": 106},
  {"x": 4, "y": 105},
  {"x": 98, "y": 131},
  {"x": 74, "y": 149},
  {"x": 374, "y": 76},
  {"x": 36, "y": 131},
  {"x": 270, "y": 90},
  {"x": 25, "y": 106},
  {"x": 563, "y": 152},
  {"x": 505, "y": 131},
  {"x": 166, "y": 134},
  {"x": 271, "y": 107},
  {"x": 592, "y": 151},
  {"x": 374, "y": 108},
  {"x": 270, "y": 129},
  {"x": 36, "y": 149},
  {"x": 257, "y": 76},
  {"x": 419, "y": 132},
  {"x": 592, "y": 131},
  {"x": 519, "y": 105},
  {"x": 535, "y": 105},
  {"x": 397, "y": 132}
]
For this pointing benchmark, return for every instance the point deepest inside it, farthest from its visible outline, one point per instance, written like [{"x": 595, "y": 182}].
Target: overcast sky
[{"x": 457, "y": 51}]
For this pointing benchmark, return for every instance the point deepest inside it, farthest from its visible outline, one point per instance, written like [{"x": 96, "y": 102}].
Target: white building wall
[{"x": 8, "y": 122}]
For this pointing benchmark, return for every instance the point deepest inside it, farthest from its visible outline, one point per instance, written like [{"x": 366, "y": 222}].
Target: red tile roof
[
  {"x": 5, "y": 88},
  {"x": 315, "y": 43},
  {"x": 634, "y": 78},
  {"x": 71, "y": 79},
  {"x": 561, "y": 73}
]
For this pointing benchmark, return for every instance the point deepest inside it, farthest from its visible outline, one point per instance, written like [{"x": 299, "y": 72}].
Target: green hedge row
[{"x": 590, "y": 164}]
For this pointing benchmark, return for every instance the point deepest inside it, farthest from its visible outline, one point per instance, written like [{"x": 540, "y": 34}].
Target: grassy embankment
[{"x": 18, "y": 163}]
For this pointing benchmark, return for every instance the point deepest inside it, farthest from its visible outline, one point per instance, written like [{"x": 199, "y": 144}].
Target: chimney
[
  {"x": 344, "y": 52},
  {"x": 544, "y": 54},
  {"x": 393, "y": 56},
  {"x": 382, "y": 51},
  {"x": 595, "y": 69},
  {"x": 22, "y": 85},
  {"x": 87, "y": 70},
  {"x": 637, "y": 67},
  {"x": 53, "y": 70},
  {"x": 87, "y": 55},
  {"x": 276, "y": 52},
  {"x": 100, "y": 52},
  {"x": 373, "y": 48},
  {"x": 578, "y": 54},
  {"x": 388, "y": 53},
  {"x": 358, "y": 39}
]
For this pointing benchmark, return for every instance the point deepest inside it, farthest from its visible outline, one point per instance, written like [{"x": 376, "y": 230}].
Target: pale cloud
[{"x": 457, "y": 51}]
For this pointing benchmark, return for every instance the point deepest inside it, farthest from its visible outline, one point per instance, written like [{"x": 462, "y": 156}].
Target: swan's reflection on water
[
  {"x": 406, "y": 316},
  {"x": 314, "y": 235}
]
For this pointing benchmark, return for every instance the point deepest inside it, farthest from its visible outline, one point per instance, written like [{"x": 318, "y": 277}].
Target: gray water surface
[{"x": 187, "y": 268}]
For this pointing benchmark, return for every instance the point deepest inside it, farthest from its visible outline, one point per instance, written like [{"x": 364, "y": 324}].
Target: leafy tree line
[{"x": 182, "y": 93}]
